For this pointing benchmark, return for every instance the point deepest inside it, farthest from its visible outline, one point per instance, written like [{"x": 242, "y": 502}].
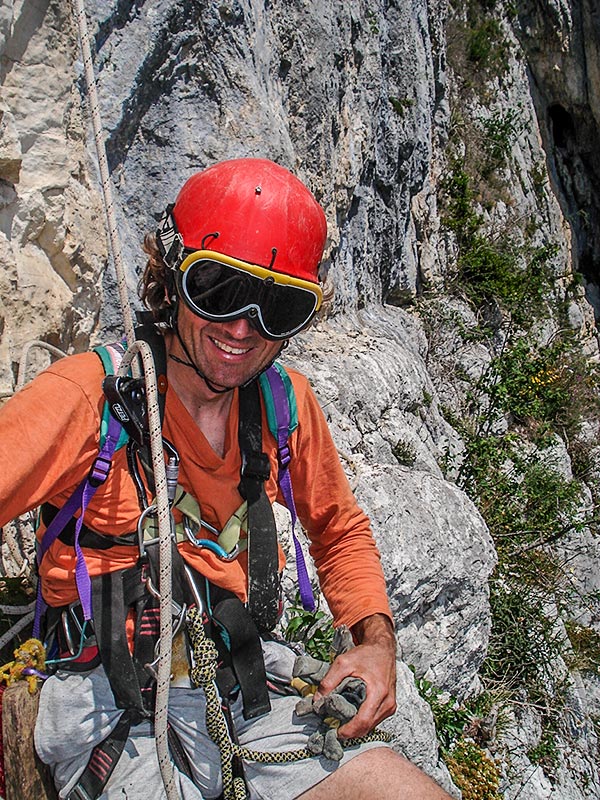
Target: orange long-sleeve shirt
[{"x": 49, "y": 437}]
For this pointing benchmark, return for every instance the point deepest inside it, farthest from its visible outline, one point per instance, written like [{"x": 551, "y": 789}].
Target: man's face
[{"x": 227, "y": 353}]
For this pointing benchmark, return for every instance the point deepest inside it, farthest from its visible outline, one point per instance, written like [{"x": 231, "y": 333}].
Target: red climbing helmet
[
  {"x": 245, "y": 238},
  {"x": 255, "y": 211}
]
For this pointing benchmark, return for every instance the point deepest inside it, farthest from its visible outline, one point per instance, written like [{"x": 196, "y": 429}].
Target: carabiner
[
  {"x": 140, "y": 530},
  {"x": 208, "y": 544}
]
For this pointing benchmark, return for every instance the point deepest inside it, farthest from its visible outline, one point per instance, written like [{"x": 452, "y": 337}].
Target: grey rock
[{"x": 357, "y": 101}]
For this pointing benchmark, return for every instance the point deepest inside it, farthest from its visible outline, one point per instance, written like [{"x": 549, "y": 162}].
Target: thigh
[
  {"x": 383, "y": 774},
  {"x": 282, "y": 731},
  {"x": 279, "y": 731},
  {"x": 77, "y": 712},
  {"x": 137, "y": 775},
  {"x": 187, "y": 716}
]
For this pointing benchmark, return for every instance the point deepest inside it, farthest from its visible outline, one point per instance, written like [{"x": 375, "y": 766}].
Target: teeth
[{"x": 236, "y": 351}]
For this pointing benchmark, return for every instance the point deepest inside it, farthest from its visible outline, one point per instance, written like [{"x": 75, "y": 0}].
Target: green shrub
[
  {"x": 474, "y": 772},
  {"x": 449, "y": 716},
  {"x": 546, "y": 753},
  {"x": 404, "y": 453},
  {"x": 545, "y": 387},
  {"x": 500, "y": 132},
  {"x": 585, "y": 642},
  {"x": 525, "y": 640}
]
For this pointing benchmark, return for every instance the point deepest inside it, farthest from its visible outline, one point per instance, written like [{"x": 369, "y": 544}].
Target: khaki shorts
[{"x": 77, "y": 712}]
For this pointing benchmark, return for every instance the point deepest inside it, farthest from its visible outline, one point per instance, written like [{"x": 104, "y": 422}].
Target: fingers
[
  {"x": 335, "y": 675},
  {"x": 380, "y": 699},
  {"x": 375, "y": 665},
  {"x": 370, "y": 714}
]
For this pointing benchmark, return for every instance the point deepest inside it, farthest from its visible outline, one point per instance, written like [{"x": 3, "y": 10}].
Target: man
[{"x": 232, "y": 274}]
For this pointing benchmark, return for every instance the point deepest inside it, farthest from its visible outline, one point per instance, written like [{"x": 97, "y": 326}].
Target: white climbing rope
[
  {"x": 142, "y": 349},
  {"x": 24, "y": 360},
  {"x": 163, "y": 678},
  {"x": 24, "y": 363},
  {"x": 113, "y": 235}
]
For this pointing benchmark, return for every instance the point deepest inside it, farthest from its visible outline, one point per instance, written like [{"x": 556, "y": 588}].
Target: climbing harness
[{"x": 110, "y": 595}]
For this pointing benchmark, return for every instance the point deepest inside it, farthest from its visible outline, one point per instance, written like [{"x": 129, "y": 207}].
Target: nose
[{"x": 239, "y": 328}]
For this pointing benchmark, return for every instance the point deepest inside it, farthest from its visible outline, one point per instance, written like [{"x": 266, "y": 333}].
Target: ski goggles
[{"x": 219, "y": 288}]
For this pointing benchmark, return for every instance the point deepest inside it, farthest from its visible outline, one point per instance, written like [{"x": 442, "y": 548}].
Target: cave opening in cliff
[{"x": 561, "y": 126}]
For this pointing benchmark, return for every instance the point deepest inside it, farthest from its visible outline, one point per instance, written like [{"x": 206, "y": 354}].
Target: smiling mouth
[{"x": 226, "y": 348}]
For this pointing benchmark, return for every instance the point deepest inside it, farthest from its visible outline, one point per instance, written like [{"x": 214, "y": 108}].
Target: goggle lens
[{"x": 222, "y": 292}]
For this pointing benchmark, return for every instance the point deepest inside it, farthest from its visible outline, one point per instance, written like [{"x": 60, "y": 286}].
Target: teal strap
[
  {"x": 111, "y": 358},
  {"x": 267, "y": 394}
]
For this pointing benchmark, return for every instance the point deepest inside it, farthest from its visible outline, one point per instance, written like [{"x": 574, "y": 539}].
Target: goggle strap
[{"x": 169, "y": 240}]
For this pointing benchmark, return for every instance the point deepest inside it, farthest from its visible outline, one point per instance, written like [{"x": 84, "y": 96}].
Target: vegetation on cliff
[{"x": 521, "y": 415}]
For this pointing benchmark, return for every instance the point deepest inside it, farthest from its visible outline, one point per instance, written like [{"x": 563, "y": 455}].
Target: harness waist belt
[{"x": 87, "y": 537}]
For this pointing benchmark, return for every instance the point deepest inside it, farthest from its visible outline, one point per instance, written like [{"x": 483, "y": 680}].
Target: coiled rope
[
  {"x": 203, "y": 674},
  {"x": 28, "y": 612}
]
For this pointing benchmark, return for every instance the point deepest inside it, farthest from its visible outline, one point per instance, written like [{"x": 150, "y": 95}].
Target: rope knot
[
  {"x": 205, "y": 653},
  {"x": 30, "y": 658}
]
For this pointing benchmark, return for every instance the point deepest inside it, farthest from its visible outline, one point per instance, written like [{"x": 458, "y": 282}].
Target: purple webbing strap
[
  {"x": 282, "y": 414},
  {"x": 78, "y": 500},
  {"x": 50, "y": 535}
]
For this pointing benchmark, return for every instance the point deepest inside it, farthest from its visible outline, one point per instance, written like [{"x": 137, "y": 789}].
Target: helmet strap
[{"x": 190, "y": 362}]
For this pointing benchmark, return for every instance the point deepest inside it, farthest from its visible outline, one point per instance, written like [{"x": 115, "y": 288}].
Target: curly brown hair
[{"x": 156, "y": 285}]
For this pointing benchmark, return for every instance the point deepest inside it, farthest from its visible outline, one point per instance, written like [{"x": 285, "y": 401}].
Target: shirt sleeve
[
  {"x": 341, "y": 541},
  {"x": 49, "y": 435}
]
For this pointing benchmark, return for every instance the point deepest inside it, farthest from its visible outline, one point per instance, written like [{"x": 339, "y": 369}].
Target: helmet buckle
[{"x": 169, "y": 240}]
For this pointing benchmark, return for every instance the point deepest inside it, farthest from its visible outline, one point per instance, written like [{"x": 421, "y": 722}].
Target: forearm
[{"x": 375, "y": 629}]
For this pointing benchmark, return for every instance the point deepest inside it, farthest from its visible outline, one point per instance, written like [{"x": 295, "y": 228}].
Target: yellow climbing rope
[
  {"x": 30, "y": 659},
  {"x": 203, "y": 674}
]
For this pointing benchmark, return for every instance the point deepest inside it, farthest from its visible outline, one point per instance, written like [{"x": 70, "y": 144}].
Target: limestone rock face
[
  {"x": 354, "y": 98},
  {"x": 561, "y": 41},
  {"x": 437, "y": 554},
  {"x": 52, "y": 235}
]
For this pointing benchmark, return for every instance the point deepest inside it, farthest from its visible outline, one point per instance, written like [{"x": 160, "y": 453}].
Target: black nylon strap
[
  {"x": 102, "y": 761},
  {"x": 87, "y": 536},
  {"x": 147, "y": 331},
  {"x": 246, "y": 655},
  {"x": 110, "y": 614},
  {"x": 178, "y": 754},
  {"x": 263, "y": 554}
]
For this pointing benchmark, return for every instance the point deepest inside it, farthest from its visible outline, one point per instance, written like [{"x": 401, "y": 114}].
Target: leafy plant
[
  {"x": 500, "y": 131},
  {"x": 449, "y": 716},
  {"x": 546, "y": 753},
  {"x": 525, "y": 639},
  {"x": 404, "y": 453},
  {"x": 550, "y": 385},
  {"x": 313, "y": 628},
  {"x": 585, "y": 642},
  {"x": 401, "y": 104},
  {"x": 458, "y": 204}
]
